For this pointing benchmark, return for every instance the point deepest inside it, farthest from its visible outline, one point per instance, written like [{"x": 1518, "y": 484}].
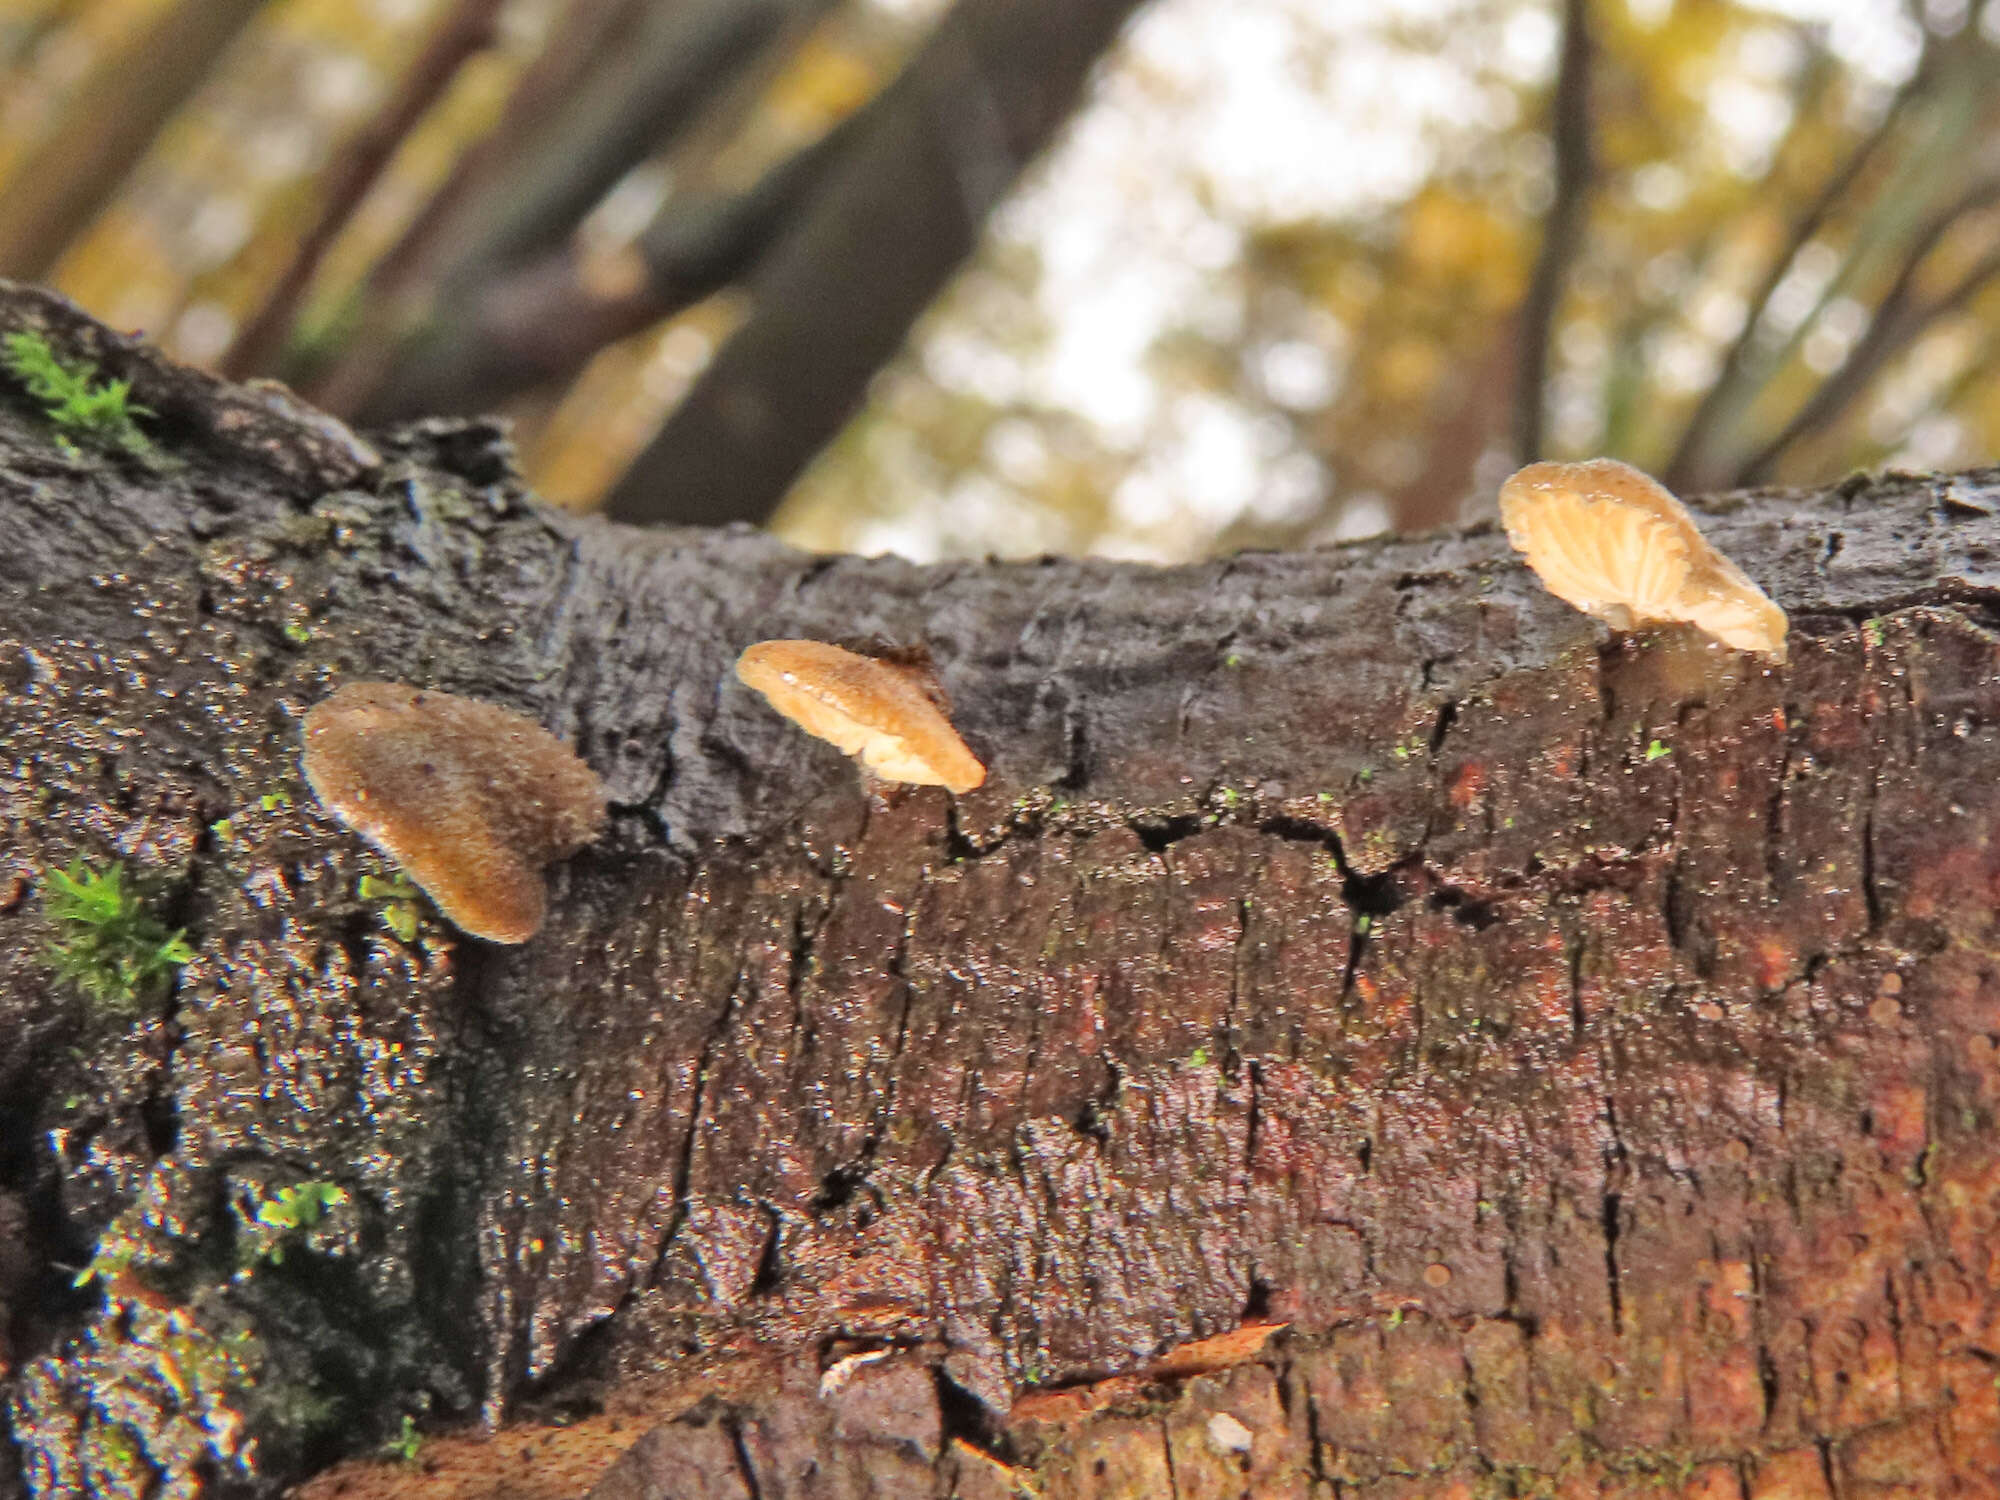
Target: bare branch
[
  {"x": 1683, "y": 467},
  {"x": 560, "y": 71},
  {"x": 895, "y": 218},
  {"x": 60, "y": 186},
  {"x": 387, "y": 300},
  {"x": 540, "y": 323},
  {"x": 1893, "y": 325},
  {"x": 682, "y": 55},
  {"x": 466, "y": 32},
  {"x": 1562, "y": 227}
]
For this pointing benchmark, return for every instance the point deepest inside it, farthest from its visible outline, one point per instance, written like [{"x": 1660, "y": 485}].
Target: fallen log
[{"x": 1525, "y": 1059}]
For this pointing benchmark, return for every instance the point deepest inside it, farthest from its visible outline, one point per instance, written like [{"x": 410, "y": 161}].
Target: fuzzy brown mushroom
[
  {"x": 1619, "y": 546},
  {"x": 469, "y": 798},
  {"x": 880, "y": 712}
]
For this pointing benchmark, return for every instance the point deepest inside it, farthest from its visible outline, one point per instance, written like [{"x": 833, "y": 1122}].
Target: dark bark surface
[{"x": 1585, "y": 1046}]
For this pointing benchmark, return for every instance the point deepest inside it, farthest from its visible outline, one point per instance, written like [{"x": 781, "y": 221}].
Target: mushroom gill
[
  {"x": 470, "y": 799},
  {"x": 880, "y": 712},
  {"x": 1619, "y": 546}
]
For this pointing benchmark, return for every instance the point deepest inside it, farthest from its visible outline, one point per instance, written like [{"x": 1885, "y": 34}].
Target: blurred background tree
[{"x": 958, "y": 276}]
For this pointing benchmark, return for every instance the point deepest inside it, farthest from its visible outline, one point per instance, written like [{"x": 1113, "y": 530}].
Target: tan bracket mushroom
[
  {"x": 881, "y": 712},
  {"x": 1619, "y": 546},
  {"x": 469, "y": 798}
]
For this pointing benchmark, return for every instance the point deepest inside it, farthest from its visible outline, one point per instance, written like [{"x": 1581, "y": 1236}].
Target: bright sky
[{"x": 1217, "y": 115}]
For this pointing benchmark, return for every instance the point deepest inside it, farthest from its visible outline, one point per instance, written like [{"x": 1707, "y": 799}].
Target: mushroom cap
[
  {"x": 469, "y": 798},
  {"x": 878, "y": 711},
  {"x": 1619, "y": 546}
]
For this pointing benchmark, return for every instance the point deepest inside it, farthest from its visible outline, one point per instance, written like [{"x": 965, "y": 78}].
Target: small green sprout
[
  {"x": 1198, "y": 1058},
  {"x": 114, "y": 950},
  {"x": 1363, "y": 925},
  {"x": 1230, "y": 796},
  {"x": 1232, "y": 660},
  {"x": 224, "y": 830},
  {"x": 71, "y": 395},
  {"x": 293, "y": 1211},
  {"x": 399, "y": 903},
  {"x": 1655, "y": 750},
  {"x": 1875, "y": 632},
  {"x": 296, "y": 633},
  {"x": 107, "y": 1265},
  {"x": 406, "y": 1444},
  {"x": 272, "y": 801}
]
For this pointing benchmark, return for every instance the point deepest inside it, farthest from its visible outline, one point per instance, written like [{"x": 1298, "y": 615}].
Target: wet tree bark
[{"x": 1585, "y": 1048}]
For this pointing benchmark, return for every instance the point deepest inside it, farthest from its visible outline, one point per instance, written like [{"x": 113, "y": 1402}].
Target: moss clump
[
  {"x": 74, "y": 399},
  {"x": 407, "y": 1444},
  {"x": 116, "y": 952},
  {"x": 287, "y": 1216},
  {"x": 396, "y": 900}
]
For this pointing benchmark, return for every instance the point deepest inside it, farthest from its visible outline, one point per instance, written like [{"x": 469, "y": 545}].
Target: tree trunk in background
[
  {"x": 59, "y": 186},
  {"x": 867, "y": 252},
  {"x": 1586, "y": 1048},
  {"x": 680, "y": 58}
]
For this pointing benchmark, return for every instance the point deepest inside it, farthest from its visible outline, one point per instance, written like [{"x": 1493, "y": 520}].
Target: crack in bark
[
  {"x": 1610, "y": 1207},
  {"x": 745, "y": 1469},
  {"x": 1827, "y": 1472},
  {"x": 697, "y": 1104}
]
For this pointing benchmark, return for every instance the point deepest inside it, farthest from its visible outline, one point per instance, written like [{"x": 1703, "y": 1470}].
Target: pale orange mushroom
[
  {"x": 880, "y": 712},
  {"x": 469, "y": 798},
  {"x": 1619, "y": 546}
]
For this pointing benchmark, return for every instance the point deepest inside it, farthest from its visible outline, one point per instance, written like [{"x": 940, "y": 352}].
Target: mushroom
[
  {"x": 882, "y": 712},
  {"x": 1617, "y": 545},
  {"x": 469, "y": 798}
]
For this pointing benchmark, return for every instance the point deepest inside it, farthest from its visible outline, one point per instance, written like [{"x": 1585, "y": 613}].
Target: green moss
[
  {"x": 288, "y": 1214},
  {"x": 398, "y": 900},
  {"x": 116, "y": 1462},
  {"x": 72, "y": 396},
  {"x": 406, "y": 1444},
  {"x": 116, "y": 953}
]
